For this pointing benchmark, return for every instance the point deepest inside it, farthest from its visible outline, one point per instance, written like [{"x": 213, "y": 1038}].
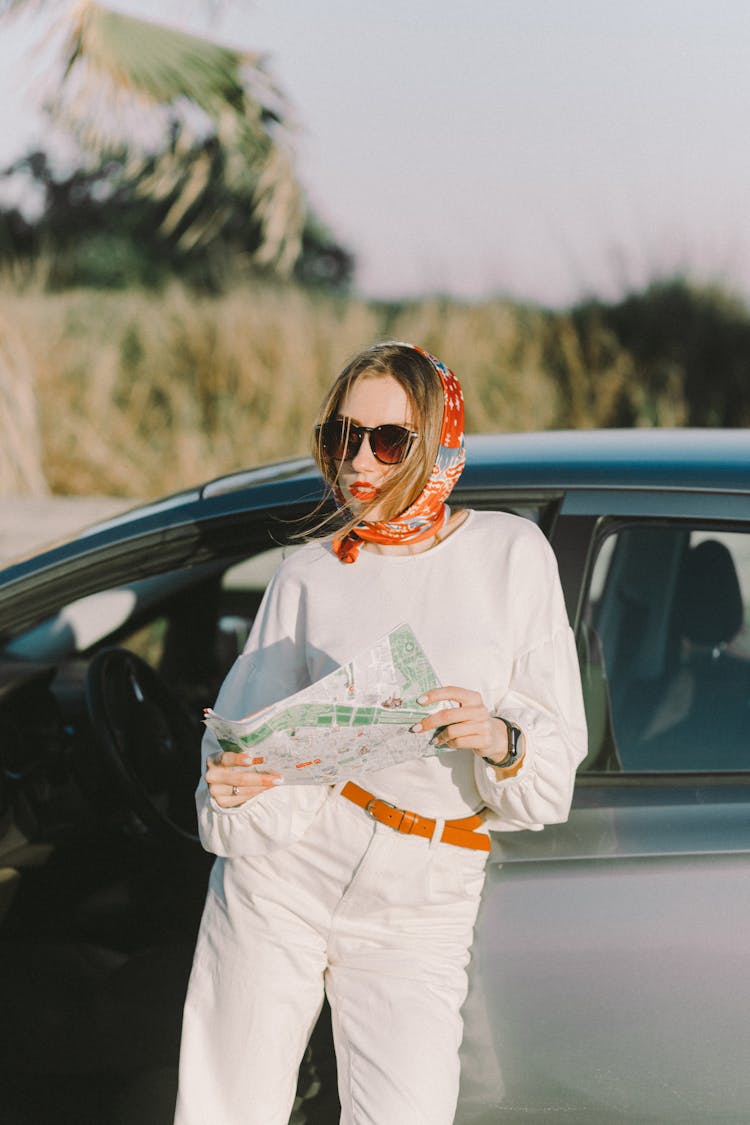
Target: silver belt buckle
[{"x": 380, "y": 801}]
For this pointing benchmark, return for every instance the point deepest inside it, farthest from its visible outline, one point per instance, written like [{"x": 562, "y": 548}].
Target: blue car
[{"x": 610, "y": 977}]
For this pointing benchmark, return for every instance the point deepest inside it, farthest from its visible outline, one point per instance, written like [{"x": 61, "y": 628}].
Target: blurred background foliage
[
  {"x": 103, "y": 227},
  {"x": 171, "y": 308},
  {"x": 134, "y": 392}
]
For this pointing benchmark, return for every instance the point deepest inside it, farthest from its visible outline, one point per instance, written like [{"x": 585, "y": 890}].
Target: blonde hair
[{"x": 423, "y": 386}]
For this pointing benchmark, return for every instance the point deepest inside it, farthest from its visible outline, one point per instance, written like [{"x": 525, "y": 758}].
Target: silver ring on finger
[{"x": 235, "y": 790}]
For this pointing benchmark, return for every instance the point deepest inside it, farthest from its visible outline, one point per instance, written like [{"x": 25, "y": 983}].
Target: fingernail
[
  {"x": 421, "y": 699},
  {"x": 278, "y": 781},
  {"x": 416, "y": 729}
]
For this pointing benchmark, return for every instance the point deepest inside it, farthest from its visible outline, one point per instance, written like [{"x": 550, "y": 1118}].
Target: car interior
[
  {"x": 102, "y": 877},
  {"x": 666, "y": 626}
]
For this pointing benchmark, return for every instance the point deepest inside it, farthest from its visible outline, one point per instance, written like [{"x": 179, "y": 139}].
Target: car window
[
  {"x": 243, "y": 586},
  {"x": 149, "y": 640},
  {"x": 208, "y": 626},
  {"x": 87, "y": 621},
  {"x": 664, "y": 645}
]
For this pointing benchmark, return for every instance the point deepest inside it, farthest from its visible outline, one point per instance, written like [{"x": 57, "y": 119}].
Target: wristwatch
[{"x": 514, "y": 746}]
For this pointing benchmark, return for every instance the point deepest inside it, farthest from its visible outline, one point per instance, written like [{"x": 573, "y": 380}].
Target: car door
[{"x": 610, "y": 967}]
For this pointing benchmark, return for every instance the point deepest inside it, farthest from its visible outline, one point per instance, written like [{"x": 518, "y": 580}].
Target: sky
[{"x": 546, "y": 150}]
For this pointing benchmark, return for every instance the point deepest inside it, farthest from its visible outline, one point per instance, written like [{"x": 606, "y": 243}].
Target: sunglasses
[{"x": 341, "y": 440}]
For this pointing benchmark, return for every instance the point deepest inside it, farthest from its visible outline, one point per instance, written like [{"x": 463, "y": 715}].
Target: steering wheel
[{"x": 149, "y": 744}]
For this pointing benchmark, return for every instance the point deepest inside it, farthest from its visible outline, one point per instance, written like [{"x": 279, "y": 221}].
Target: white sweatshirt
[{"x": 486, "y": 606}]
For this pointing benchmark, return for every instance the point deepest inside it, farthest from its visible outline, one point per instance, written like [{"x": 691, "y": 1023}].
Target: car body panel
[
  {"x": 623, "y": 822},
  {"x": 621, "y": 993},
  {"x": 668, "y": 502}
]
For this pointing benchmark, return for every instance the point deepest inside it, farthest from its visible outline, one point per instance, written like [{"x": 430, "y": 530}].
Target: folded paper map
[{"x": 356, "y": 719}]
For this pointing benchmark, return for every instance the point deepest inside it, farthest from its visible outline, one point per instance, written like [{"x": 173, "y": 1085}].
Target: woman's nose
[{"x": 364, "y": 458}]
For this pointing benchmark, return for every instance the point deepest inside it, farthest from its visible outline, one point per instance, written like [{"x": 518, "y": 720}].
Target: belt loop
[{"x": 437, "y": 832}]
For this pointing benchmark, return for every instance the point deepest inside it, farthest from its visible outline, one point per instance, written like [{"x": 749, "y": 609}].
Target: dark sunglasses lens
[
  {"x": 337, "y": 443},
  {"x": 390, "y": 444}
]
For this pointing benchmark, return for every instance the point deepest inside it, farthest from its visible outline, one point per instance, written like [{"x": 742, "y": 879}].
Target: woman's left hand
[{"x": 469, "y": 726}]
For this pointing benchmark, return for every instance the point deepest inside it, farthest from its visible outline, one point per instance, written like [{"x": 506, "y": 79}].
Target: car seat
[{"x": 701, "y": 720}]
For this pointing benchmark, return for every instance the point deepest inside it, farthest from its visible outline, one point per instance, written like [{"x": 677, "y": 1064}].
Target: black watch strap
[{"x": 514, "y": 746}]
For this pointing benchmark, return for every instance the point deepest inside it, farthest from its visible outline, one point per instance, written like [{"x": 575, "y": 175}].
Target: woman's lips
[{"x": 361, "y": 490}]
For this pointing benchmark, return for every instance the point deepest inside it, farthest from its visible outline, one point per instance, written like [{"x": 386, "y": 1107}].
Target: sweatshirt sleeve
[
  {"x": 271, "y": 667},
  {"x": 544, "y": 699}
]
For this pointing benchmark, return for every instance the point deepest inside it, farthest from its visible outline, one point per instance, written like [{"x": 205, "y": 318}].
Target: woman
[{"x": 371, "y": 894}]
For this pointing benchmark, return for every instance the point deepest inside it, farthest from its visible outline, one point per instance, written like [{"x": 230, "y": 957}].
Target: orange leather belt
[{"x": 459, "y": 832}]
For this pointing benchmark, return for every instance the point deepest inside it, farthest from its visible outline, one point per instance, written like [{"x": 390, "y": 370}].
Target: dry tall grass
[
  {"x": 139, "y": 394},
  {"x": 21, "y": 471}
]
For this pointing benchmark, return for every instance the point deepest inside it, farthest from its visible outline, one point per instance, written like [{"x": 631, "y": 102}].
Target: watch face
[{"x": 514, "y": 740}]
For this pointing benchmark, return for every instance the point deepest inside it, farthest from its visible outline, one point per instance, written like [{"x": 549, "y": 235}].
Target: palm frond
[
  {"x": 279, "y": 208},
  {"x": 132, "y": 85},
  {"x": 158, "y": 63}
]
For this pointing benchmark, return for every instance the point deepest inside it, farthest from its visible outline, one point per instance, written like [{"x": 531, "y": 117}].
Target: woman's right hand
[{"x": 230, "y": 785}]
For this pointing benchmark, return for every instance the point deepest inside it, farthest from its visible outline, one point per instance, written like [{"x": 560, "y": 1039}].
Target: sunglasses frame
[{"x": 357, "y": 434}]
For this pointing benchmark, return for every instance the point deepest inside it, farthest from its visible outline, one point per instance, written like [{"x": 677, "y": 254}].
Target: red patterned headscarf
[{"x": 429, "y": 512}]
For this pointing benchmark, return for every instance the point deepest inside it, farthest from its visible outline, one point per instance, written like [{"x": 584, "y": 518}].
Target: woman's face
[{"x": 374, "y": 400}]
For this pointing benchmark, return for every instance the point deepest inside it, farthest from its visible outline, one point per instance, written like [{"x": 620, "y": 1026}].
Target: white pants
[{"x": 383, "y": 922}]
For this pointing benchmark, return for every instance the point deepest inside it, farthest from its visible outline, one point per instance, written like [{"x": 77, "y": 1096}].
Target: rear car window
[{"x": 664, "y": 645}]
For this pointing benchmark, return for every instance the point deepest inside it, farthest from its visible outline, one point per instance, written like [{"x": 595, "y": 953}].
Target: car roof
[
  {"x": 634, "y": 458},
  {"x": 555, "y": 459},
  {"x": 551, "y": 461}
]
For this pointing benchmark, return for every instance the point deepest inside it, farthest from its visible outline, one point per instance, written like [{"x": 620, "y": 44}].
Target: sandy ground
[{"x": 28, "y": 523}]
